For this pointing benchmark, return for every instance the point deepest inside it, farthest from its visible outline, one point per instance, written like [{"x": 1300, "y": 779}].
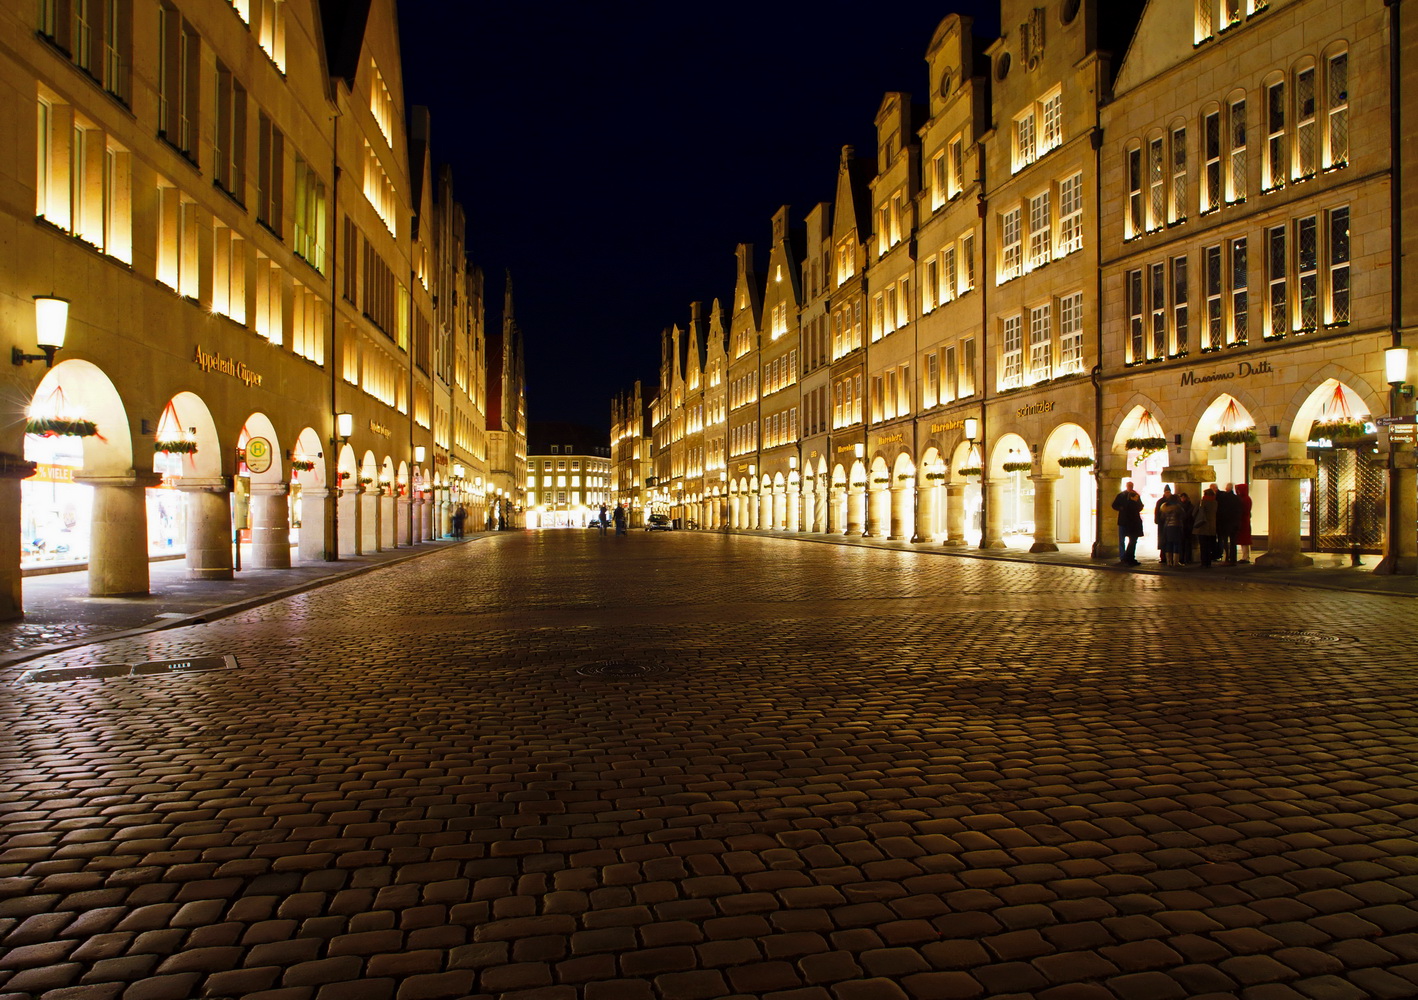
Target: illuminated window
[
  {"x": 1211, "y": 159},
  {"x": 1071, "y": 215},
  {"x": 268, "y": 319},
  {"x": 1041, "y": 227},
  {"x": 1179, "y": 175},
  {"x": 1236, "y": 179},
  {"x": 1134, "y": 179},
  {"x": 177, "y": 256},
  {"x": 228, "y": 274},
  {"x": 270, "y": 30},
  {"x": 1071, "y": 334},
  {"x": 1041, "y": 344},
  {"x": 379, "y": 190},
  {"x": 1010, "y": 246},
  {"x": 1337, "y": 112},
  {"x": 1277, "y": 283},
  {"x": 1338, "y": 307},
  {"x": 309, "y": 229},
  {"x": 1135, "y": 307},
  {"x": 1305, "y": 122},
  {"x": 1240, "y": 290},
  {"x": 1277, "y": 147},
  {"x": 381, "y": 105},
  {"x": 1012, "y": 353},
  {"x": 1156, "y": 186},
  {"x": 308, "y": 324},
  {"x": 1180, "y": 290}
]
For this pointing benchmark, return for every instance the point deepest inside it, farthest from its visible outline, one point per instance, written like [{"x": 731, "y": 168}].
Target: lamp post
[{"x": 1396, "y": 374}]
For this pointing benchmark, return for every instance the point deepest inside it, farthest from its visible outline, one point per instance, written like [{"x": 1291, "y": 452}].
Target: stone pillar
[
  {"x": 369, "y": 518},
  {"x": 1045, "y": 517},
  {"x": 873, "y": 527},
  {"x": 1401, "y": 538},
  {"x": 780, "y": 508},
  {"x": 795, "y": 508},
  {"x": 955, "y": 515},
  {"x": 900, "y": 494},
  {"x": 404, "y": 521},
  {"x": 313, "y": 504},
  {"x": 13, "y": 469},
  {"x": 1188, "y": 479},
  {"x": 351, "y": 520},
  {"x": 416, "y": 519},
  {"x": 388, "y": 521},
  {"x": 209, "y": 530},
  {"x": 1283, "y": 477},
  {"x": 991, "y": 536},
  {"x": 1105, "y": 543},
  {"x": 834, "y": 512},
  {"x": 118, "y": 534},
  {"x": 270, "y": 526},
  {"x": 925, "y": 512},
  {"x": 856, "y": 508},
  {"x": 445, "y": 518}
]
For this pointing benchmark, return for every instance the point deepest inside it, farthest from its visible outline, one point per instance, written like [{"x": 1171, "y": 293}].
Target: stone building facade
[
  {"x": 250, "y": 240},
  {"x": 1097, "y": 252}
]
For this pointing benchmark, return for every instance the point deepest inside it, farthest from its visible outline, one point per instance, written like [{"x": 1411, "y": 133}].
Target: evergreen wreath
[
  {"x": 1146, "y": 445},
  {"x": 970, "y": 470},
  {"x": 1247, "y": 436},
  {"x": 61, "y": 427},
  {"x": 1343, "y": 429},
  {"x": 181, "y": 446},
  {"x": 1018, "y": 466},
  {"x": 302, "y": 465},
  {"x": 1075, "y": 462}
]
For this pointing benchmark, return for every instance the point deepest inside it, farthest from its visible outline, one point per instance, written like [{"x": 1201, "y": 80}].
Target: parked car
[{"x": 659, "y": 522}]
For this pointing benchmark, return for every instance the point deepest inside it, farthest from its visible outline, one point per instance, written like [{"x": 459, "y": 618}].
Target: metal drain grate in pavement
[
  {"x": 1298, "y": 637},
  {"x": 193, "y": 664},
  {"x": 617, "y": 669}
]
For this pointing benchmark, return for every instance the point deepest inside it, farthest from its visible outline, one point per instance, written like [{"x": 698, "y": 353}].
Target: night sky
[{"x": 612, "y": 154}]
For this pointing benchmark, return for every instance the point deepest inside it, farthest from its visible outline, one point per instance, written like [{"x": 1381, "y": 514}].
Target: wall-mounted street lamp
[
  {"x": 420, "y": 453},
  {"x": 51, "y": 319},
  {"x": 344, "y": 427},
  {"x": 457, "y": 470},
  {"x": 1396, "y": 370},
  {"x": 972, "y": 429}
]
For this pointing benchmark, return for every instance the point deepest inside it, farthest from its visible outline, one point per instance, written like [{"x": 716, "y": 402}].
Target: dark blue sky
[{"x": 611, "y": 155}]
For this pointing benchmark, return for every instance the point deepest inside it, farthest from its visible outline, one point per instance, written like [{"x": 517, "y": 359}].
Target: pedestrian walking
[
  {"x": 619, "y": 519},
  {"x": 1243, "y": 531},
  {"x": 1173, "y": 517},
  {"x": 603, "y": 519},
  {"x": 1129, "y": 507},
  {"x": 1188, "y": 540},
  {"x": 460, "y": 517},
  {"x": 1204, "y": 526},
  {"x": 1228, "y": 522}
]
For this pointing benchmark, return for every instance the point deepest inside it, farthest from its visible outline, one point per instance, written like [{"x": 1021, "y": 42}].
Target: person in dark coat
[
  {"x": 1187, "y": 538},
  {"x": 1204, "y": 526},
  {"x": 620, "y": 518},
  {"x": 459, "y": 517},
  {"x": 1228, "y": 522},
  {"x": 1129, "y": 507},
  {"x": 1243, "y": 533},
  {"x": 1157, "y": 522},
  {"x": 1173, "y": 516}
]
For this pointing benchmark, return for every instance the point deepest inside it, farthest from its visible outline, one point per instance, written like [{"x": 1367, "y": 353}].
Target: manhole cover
[
  {"x": 194, "y": 664},
  {"x": 1299, "y": 637},
  {"x": 618, "y": 668}
]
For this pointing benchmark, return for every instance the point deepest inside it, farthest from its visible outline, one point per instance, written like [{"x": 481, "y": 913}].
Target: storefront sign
[
  {"x": 379, "y": 428},
  {"x": 225, "y": 366},
  {"x": 948, "y": 425},
  {"x": 258, "y": 455},
  {"x": 53, "y": 473},
  {"x": 1244, "y": 369},
  {"x": 1047, "y": 406},
  {"x": 889, "y": 439}
]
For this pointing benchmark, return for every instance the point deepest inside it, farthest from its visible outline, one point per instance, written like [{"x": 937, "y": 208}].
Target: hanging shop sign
[
  {"x": 225, "y": 366},
  {"x": 1244, "y": 369},
  {"x": 258, "y": 455}
]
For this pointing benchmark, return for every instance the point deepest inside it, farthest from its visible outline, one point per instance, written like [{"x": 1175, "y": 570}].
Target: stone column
[
  {"x": 371, "y": 518},
  {"x": 856, "y": 508},
  {"x": 404, "y": 518},
  {"x": 313, "y": 504},
  {"x": 445, "y": 518},
  {"x": 13, "y": 469},
  {"x": 270, "y": 526},
  {"x": 991, "y": 536},
  {"x": 388, "y": 521},
  {"x": 955, "y": 515},
  {"x": 429, "y": 506},
  {"x": 795, "y": 508},
  {"x": 1045, "y": 518},
  {"x": 780, "y": 508},
  {"x": 1283, "y": 477},
  {"x": 1110, "y": 484},
  {"x": 209, "y": 530},
  {"x": 351, "y": 517},
  {"x": 925, "y": 512},
  {"x": 873, "y": 527},
  {"x": 1188, "y": 479},
  {"x": 900, "y": 494},
  {"x": 118, "y": 533},
  {"x": 416, "y": 519},
  {"x": 1402, "y": 538}
]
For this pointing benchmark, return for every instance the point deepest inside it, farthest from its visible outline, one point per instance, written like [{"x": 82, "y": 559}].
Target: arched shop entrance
[
  {"x": 1068, "y": 462},
  {"x": 1342, "y": 509},
  {"x": 309, "y": 493},
  {"x": 263, "y": 501},
  {"x": 87, "y": 501}
]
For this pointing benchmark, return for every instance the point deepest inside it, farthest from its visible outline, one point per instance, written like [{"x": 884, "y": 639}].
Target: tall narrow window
[
  {"x": 1179, "y": 175},
  {"x": 1070, "y": 215},
  {"x": 1012, "y": 353},
  {"x": 1277, "y": 149},
  {"x": 957, "y": 166},
  {"x": 1211, "y": 155},
  {"x": 1157, "y": 294},
  {"x": 309, "y": 228},
  {"x": 1205, "y": 26},
  {"x": 1071, "y": 334},
  {"x": 967, "y": 263},
  {"x": 968, "y": 364},
  {"x": 179, "y": 59},
  {"x": 228, "y": 274},
  {"x": 1240, "y": 292},
  {"x": 1212, "y": 340},
  {"x": 1338, "y": 312},
  {"x": 270, "y": 174},
  {"x": 1237, "y": 179},
  {"x": 1156, "y": 186},
  {"x": 1041, "y": 225},
  {"x": 947, "y": 274},
  {"x": 1180, "y": 325},
  {"x": 1053, "y": 122},
  {"x": 938, "y": 190},
  {"x": 229, "y": 141},
  {"x": 1041, "y": 345},
  {"x": 1024, "y": 141},
  {"x": 1232, "y": 12},
  {"x": 1136, "y": 344},
  {"x": 929, "y": 388},
  {"x": 1305, "y": 122},
  {"x": 1277, "y": 289},
  {"x": 951, "y": 375},
  {"x": 83, "y": 35},
  {"x": 1010, "y": 246},
  {"x": 1307, "y": 266},
  {"x": 1134, "y": 167},
  {"x": 1337, "y": 112}
]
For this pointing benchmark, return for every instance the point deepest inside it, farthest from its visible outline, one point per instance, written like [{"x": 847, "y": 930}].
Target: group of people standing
[
  {"x": 1216, "y": 527},
  {"x": 619, "y": 516}
]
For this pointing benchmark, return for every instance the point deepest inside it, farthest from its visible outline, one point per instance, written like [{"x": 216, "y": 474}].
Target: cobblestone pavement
[{"x": 556, "y": 766}]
